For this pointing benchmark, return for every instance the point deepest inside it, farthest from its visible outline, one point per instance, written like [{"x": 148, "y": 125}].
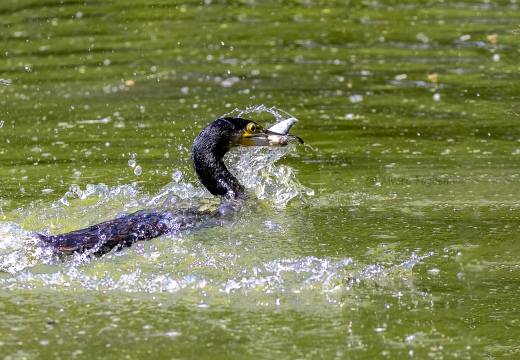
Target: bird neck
[{"x": 208, "y": 153}]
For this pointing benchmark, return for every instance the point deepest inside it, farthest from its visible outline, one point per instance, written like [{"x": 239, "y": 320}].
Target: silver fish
[{"x": 283, "y": 126}]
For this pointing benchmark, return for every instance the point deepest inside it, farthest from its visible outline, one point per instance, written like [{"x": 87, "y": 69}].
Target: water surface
[{"x": 395, "y": 233}]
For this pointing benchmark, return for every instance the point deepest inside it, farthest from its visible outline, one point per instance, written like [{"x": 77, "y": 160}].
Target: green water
[{"x": 401, "y": 238}]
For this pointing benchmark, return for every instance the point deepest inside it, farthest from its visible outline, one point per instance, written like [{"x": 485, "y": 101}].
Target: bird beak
[{"x": 267, "y": 138}]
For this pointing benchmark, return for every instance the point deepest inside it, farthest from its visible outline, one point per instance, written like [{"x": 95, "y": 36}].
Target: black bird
[{"x": 209, "y": 148}]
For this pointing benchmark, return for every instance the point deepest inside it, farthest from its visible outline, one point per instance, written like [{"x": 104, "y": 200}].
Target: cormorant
[{"x": 209, "y": 148}]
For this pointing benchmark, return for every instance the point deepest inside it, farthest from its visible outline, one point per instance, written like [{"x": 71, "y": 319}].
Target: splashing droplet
[{"x": 177, "y": 176}]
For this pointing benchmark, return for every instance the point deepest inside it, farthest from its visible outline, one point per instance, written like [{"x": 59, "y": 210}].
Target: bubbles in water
[{"x": 137, "y": 170}]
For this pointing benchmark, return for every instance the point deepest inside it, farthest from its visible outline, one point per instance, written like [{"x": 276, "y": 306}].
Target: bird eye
[{"x": 252, "y": 128}]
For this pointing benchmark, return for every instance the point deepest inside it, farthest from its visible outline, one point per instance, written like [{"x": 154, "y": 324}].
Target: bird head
[
  {"x": 217, "y": 138},
  {"x": 249, "y": 133}
]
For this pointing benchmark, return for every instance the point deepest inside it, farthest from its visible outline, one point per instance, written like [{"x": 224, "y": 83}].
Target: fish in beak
[{"x": 256, "y": 135}]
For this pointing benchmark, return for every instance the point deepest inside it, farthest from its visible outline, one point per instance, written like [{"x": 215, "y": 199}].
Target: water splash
[
  {"x": 407, "y": 266},
  {"x": 220, "y": 275},
  {"x": 256, "y": 169},
  {"x": 182, "y": 266},
  {"x": 278, "y": 114},
  {"x": 277, "y": 184},
  {"x": 19, "y": 249},
  {"x": 78, "y": 207},
  {"x": 95, "y": 201}
]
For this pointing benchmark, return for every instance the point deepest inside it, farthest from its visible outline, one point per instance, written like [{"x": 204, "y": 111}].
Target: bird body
[{"x": 208, "y": 151}]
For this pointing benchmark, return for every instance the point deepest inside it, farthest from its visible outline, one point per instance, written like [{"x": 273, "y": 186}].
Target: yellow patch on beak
[{"x": 246, "y": 140}]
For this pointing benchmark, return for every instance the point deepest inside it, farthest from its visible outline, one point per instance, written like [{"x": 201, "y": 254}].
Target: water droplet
[
  {"x": 177, "y": 175},
  {"x": 355, "y": 98},
  {"x": 138, "y": 171},
  {"x": 434, "y": 271}
]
